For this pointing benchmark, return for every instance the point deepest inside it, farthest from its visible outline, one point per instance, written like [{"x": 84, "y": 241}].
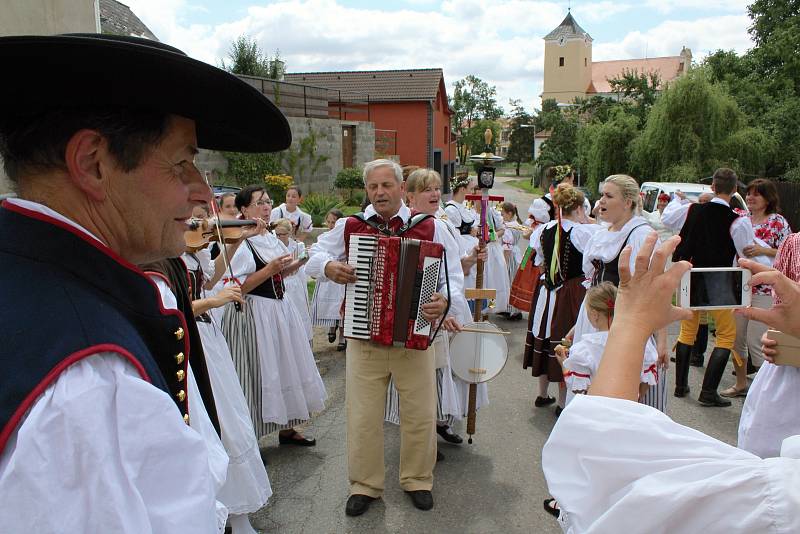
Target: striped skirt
[
  {"x": 278, "y": 376},
  {"x": 447, "y": 410}
]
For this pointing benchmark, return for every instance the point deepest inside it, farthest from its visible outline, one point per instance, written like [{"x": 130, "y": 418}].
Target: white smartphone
[{"x": 715, "y": 288}]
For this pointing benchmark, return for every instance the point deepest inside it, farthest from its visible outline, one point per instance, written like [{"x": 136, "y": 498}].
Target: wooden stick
[{"x": 479, "y": 331}]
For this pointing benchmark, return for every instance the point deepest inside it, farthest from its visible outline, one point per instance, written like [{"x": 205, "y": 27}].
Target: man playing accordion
[{"x": 369, "y": 365}]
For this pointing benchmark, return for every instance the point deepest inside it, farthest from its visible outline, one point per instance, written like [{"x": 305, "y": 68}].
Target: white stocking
[
  {"x": 562, "y": 396},
  {"x": 240, "y": 524},
  {"x": 543, "y": 383}
]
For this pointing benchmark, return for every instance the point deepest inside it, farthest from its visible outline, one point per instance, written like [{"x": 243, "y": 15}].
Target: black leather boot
[
  {"x": 714, "y": 371},
  {"x": 699, "y": 348},
  {"x": 682, "y": 355}
]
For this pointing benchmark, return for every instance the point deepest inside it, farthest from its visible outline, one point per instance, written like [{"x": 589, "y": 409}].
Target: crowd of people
[{"x": 165, "y": 363}]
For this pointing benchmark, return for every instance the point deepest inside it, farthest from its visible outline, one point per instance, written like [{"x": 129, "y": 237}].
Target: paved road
[{"x": 494, "y": 485}]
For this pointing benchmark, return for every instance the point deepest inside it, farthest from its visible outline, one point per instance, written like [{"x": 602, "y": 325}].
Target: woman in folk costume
[
  {"x": 527, "y": 276},
  {"x": 560, "y": 289},
  {"x": 424, "y": 191},
  {"x": 463, "y": 219},
  {"x": 514, "y": 231},
  {"x": 279, "y": 377},
  {"x": 620, "y": 207},
  {"x": 247, "y": 486},
  {"x": 766, "y": 419},
  {"x": 326, "y": 304},
  {"x": 296, "y": 282}
]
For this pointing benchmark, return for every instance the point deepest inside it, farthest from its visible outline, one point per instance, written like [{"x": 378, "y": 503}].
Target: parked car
[
  {"x": 651, "y": 190},
  {"x": 220, "y": 190}
]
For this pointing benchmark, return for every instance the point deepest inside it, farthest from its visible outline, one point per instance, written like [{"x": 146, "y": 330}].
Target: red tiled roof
[
  {"x": 381, "y": 85},
  {"x": 668, "y": 68}
]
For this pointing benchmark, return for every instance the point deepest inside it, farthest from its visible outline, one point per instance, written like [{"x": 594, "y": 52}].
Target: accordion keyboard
[{"x": 357, "y": 295}]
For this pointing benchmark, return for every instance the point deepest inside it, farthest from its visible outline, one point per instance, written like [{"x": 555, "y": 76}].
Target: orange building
[{"x": 408, "y": 107}]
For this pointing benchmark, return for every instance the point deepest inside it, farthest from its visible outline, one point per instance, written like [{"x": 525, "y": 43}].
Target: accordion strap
[{"x": 384, "y": 229}]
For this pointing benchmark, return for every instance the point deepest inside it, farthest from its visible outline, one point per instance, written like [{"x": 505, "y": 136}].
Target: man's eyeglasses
[{"x": 263, "y": 203}]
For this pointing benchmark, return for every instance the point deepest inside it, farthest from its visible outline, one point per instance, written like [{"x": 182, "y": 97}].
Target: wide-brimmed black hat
[{"x": 80, "y": 71}]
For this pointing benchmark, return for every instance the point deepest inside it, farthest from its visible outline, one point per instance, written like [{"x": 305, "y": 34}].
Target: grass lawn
[
  {"x": 310, "y": 284},
  {"x": 525, "y": 185},
  {"x": 350, "y": 210}
]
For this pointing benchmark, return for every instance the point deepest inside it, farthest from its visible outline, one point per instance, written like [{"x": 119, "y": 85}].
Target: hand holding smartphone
[{"x": 715, "y": 288}]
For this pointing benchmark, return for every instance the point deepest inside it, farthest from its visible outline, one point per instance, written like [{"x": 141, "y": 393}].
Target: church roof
[
  {"x": 668, "y": 68},
  {"x": 568, "y": 28}
]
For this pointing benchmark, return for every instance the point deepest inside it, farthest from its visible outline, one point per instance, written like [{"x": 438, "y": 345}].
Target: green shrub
[
  {"x": 348, "y": 181},
  {"x": 318, "y": 205}
]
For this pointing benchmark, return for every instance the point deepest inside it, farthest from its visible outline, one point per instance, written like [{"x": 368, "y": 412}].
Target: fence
[
  {"x": 298, "y": 100},
  {"x": 385, "y": 143}
]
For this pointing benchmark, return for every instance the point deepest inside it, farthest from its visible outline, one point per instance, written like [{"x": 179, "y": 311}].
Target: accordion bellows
[{"x": 396, "y": 276}]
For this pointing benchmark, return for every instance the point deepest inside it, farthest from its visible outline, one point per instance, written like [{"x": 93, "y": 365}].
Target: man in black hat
[{"x": 99, "y": 135}]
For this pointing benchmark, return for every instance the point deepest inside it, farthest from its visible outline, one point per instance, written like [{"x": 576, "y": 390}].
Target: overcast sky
[{"x": 499, "y": 41}]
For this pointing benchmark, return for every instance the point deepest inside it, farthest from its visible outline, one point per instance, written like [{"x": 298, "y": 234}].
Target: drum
[{"x": 477, "y": 357}]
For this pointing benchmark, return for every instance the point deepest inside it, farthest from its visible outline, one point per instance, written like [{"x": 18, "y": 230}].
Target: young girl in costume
[
  {"x": 296, "y": 288},
  {"x": 581, "y": 360},
  {"x": 326, "y": 304},
  {"x": 514, "y": 231}
]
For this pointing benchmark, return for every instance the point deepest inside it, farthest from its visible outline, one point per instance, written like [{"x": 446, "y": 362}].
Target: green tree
[
  {"x": 472, "y": 100},
  {"x": 474, "y": 137},
  {"x": 561, "y": 147},
  {"x": 520, "y": 148},
  {"x": 688, "y": 124},
  {"x": 246, "y": 58},
  {"x": 603, "y": 148},
  {"x": 246, "y": 169}
]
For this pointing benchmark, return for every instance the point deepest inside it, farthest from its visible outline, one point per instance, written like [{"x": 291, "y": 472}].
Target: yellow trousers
[
  {"x": 724, "y": 322},
  {"x": 369, "y": 368}
]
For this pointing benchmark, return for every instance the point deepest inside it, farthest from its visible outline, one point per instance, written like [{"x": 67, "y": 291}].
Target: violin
[{"x": 203, "y": 231}]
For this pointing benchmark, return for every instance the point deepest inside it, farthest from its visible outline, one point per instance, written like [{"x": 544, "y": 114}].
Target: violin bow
[{"x": 220, "y": 239}]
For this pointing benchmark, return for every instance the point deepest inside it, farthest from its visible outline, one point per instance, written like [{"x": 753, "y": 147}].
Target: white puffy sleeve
[
  {"x": 620, "y": 466},
  {"x": 102, "y": 450},
  {"x": 329, "y": 247},
  {"x": 581, "y": 366},
  {"x": 453, "y": 214},
  {"x": 455, "y": 274}
]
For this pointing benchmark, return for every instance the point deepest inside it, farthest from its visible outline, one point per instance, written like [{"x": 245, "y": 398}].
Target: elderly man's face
[
  {"x": 153, "y": 201},
  {"x": 384, "y": 192}
]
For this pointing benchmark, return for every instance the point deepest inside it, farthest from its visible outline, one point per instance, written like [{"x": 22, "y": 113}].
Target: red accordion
[{"x": 396, "y": 276}]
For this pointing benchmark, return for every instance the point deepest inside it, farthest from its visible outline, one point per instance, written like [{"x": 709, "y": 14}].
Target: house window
[{"x": 561, "y": 62}]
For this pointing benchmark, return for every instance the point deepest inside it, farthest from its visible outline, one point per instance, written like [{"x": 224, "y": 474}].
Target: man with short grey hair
[{"x": 369, "y": 366}]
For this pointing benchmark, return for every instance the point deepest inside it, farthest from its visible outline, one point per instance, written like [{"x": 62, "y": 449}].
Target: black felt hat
[{"x": 106, "y": 71}]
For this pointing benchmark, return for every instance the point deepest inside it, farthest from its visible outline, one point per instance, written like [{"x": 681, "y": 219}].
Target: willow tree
[
  {"x": 603, "y": 147},
  {"x": 687, "y": 126}
]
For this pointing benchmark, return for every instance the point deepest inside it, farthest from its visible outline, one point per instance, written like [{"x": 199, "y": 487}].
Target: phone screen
[{"x": 715, "y": 288}]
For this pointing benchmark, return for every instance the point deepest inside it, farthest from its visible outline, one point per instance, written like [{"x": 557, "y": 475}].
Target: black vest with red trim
[
  {"x": 570, "y": 259},
  {"x": 66, "y": 297},
  {"x": 706, "y": 236}
]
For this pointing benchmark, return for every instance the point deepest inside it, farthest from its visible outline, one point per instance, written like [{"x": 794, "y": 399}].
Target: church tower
[{"x": 567, "y": 62}]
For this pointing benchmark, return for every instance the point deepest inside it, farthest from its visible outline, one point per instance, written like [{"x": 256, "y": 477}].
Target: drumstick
[{"x": 479, "y": 331}]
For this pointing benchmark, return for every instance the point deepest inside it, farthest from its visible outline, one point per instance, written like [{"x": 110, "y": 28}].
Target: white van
[{"x": 651, "y": 190}]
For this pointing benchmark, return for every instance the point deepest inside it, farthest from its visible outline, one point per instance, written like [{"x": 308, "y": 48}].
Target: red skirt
[
  {"x": 524, "y": 285},
  {"x": 566, "y": 303}
]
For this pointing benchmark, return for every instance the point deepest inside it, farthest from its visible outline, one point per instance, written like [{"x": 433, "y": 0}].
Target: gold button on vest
[
  {"x": 180, "y": 374},
  {"x": 179, "y": 358},
  {"x": 181, "y": 395},
  {"x": 186, "y": 418},
  {"x": 179, "y": 333}
]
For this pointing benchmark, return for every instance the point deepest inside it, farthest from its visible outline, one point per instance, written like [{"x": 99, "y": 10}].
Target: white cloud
[
  {"x": 499, "y": 41},
  {"x": 671, "y": 6},
  {"x": 703, "y": 36}
]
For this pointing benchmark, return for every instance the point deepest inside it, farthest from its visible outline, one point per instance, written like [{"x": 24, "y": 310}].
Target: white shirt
[
  {"x": 605, "y": 245},
  {"x": 619, "y": 466},
  {"x": 101, "y": 450},
  {"x": 741, "y": 230},
  {"x": 580, "y": 235},
  {"x": 300, "y": 220},
  {"x": 330, "y": 247},
  {"x": 457, "y": 213}
]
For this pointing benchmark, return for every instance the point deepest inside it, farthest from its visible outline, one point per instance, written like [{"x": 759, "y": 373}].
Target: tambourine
[{"x": 479, "y": 352}]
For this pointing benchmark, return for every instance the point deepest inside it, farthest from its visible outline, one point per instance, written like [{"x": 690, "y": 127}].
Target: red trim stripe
[{"x": 50, "y": 377}]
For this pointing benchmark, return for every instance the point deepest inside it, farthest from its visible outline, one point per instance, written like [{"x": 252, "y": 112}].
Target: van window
[{"x": 650, "y": 196}]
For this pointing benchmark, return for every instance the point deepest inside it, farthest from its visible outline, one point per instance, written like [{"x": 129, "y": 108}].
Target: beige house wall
[
  {"x": 47, "y": 17},
  {"x": 565, "y": 83}
]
